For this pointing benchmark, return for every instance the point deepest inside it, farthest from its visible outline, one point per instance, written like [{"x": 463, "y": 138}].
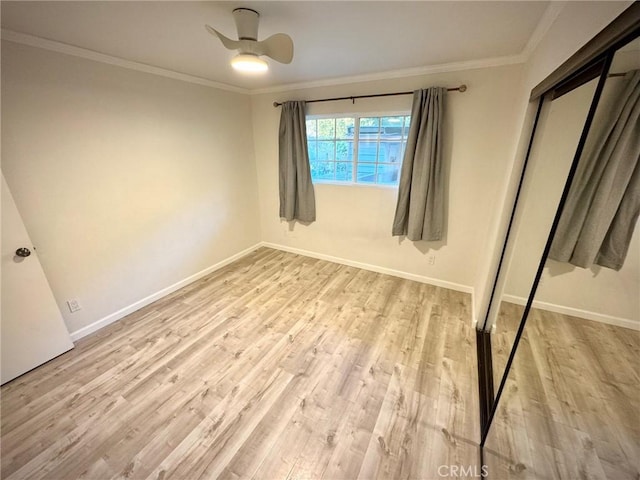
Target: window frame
[{"x": 356, "y": 140}]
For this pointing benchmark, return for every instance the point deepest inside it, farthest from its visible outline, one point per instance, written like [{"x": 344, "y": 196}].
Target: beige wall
[
  {"x": 597, "y": 293},
  {"x": 130, "y": 182},
  {"x": 577, "y": 23},
  {"x": 127, "y": 182},
  {"x": 354, "y": 222},
  {"x": 557, "y": 136}
]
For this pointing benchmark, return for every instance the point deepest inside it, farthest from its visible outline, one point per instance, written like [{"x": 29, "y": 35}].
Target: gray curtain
[
  {"x": 297, "y": 199},
  {"x": 604, "y": 200},
  {"x": 421, "y": 194}
]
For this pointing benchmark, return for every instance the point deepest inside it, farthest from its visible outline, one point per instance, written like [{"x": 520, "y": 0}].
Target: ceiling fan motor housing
[{"x": 247, "y": 23}]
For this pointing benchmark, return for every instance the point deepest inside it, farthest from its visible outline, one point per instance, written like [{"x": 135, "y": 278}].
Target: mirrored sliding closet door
[
  {"x": 560, "y": 124},
  {"x": 568, "y": 405}
]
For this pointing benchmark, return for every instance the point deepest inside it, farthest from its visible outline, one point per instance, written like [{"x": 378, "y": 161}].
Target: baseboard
[
  {"x": 387, "y": 271},
  {"x": 373, "y": 268},
  {"x": 575, "y": 312},
  {"x": 123, "y": 312}
]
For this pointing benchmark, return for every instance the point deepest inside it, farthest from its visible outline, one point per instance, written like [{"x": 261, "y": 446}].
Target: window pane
[
  {"x": 344, "y": 171},
  {"x": 381, "y": 145},
  {"x": 369, "y": 128},
  {"x": 391, "y": 127},
  {"x": 313, "y": 165},
  {"x": 407, "y": 122},
  {"x": 366, "y": 173},
  {"x": 344, "y": 150},
  {"x": 369, "y": 121},
  {"x": 390, "y": 152},
  {"x": 311, "y": 129},
  {"x": 345, "y": 127},
  {"x": 323, "y": 170},
  {"x": 326, "y": 128},
  {"x": 326, "y": 151},
  {"x": 388, "y": 174},
  {"x": 367, "y": 151},
  {"x": 312, "y": 147}
]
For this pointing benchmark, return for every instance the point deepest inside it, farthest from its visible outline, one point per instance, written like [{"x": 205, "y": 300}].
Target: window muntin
[{"x": 357, "y": 149}]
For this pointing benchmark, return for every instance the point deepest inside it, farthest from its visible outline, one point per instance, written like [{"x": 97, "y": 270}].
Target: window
[{"x": 357, "y": 149}]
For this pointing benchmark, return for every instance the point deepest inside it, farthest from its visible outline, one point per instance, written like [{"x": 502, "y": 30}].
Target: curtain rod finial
[
  {"x": 463, "y": 88},
  {"x": 276, "y": 104}
]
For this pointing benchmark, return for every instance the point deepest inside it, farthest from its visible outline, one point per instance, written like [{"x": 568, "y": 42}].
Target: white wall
[
  {"x": 127, "y": 182},
  {"x": 574, "y": 26},
  {"x": 354, "y": 222}
]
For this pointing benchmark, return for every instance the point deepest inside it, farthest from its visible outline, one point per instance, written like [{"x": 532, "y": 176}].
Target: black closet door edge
[{"x": 485, "y": 377}]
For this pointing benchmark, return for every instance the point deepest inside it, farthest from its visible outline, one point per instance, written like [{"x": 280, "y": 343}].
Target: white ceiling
[{"x": 332, "y": 39}]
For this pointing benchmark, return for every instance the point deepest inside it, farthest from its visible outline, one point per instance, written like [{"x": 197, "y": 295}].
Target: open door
[{"x": 32, "y": 330}]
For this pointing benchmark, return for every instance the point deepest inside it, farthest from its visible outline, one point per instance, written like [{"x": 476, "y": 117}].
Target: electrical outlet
[
  {"x": 431, "y": 259},
  {"x": 74, "y": 305}
]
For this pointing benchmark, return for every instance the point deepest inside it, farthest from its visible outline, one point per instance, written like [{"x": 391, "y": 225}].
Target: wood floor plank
[
  {"x": 571, "y": 406},
  {"x": 275, "y": 366}
]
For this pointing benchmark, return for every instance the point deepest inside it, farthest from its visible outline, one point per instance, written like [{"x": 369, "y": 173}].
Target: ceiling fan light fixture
[{"x": 246, "y": 62}]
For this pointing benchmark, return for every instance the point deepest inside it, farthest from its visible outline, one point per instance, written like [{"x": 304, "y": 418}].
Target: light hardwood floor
[
  {"x": 571, "y": 405},
  {"x": 277, "y": 366},
  {"x": 502, "y": 340}
]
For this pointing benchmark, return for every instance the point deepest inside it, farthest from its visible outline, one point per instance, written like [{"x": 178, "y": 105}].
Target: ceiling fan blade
[
  {"x": 226, "y": 41},
  {"x": 278, "y": 46}
]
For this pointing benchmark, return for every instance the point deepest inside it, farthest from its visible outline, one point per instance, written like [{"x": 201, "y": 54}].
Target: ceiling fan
[{"x": 278, "y": 47}]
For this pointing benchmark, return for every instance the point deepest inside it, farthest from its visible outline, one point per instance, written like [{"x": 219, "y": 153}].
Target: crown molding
[
  {"x": 544, "y": 24},
  {"x": 548, "y": 17},
  {"x": 391, "y": 74},
  {"x": 39, "y": 42}
]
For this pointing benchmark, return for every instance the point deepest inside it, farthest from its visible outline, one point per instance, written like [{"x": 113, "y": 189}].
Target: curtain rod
[{"x": 461, "y": 88}]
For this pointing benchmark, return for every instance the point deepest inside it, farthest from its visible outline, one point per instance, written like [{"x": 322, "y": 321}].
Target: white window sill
[{"x": 354, "y": 184}]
